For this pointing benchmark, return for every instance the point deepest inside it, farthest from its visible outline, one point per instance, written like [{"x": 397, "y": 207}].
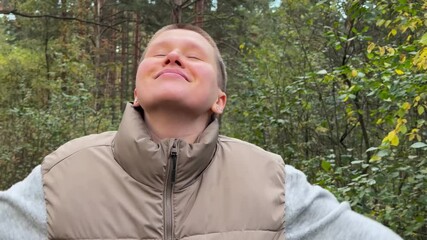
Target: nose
[{"x": 173, "y": 57}]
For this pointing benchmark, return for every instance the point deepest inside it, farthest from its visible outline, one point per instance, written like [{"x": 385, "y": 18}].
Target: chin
[{"x": 171, "y": 96}]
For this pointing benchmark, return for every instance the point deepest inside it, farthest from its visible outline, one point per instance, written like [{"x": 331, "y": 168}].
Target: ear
[
  {"x": 219, "y": 105},
  {"x": 135, "y": 101}
]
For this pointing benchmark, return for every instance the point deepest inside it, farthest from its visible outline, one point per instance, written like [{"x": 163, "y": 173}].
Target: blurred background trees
[{"x": 338, "y": 88}]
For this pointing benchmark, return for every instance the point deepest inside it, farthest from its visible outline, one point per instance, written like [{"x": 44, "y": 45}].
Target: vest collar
[{"x": 146, "y": 161}]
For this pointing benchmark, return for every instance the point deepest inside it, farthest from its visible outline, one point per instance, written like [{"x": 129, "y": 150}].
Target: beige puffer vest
[{"x": 121, "y": 185}]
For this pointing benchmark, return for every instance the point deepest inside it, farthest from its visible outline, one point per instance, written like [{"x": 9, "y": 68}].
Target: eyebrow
[{"x": 167, "y": 43}]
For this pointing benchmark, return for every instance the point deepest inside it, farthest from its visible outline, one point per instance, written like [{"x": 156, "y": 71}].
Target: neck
[{"x": 163, "y": 125}]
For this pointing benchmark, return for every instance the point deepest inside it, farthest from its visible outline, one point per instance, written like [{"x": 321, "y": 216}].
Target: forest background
[{"x": 338, "y": 87}]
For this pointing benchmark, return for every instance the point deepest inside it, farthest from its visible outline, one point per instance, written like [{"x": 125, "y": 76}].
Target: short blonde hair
[{"x": 222, "y": 74}]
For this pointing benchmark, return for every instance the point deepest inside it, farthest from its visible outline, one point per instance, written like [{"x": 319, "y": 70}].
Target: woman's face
[{"x": 179, "y": 72}]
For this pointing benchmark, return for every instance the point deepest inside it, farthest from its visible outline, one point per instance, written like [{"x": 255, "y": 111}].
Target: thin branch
[
  {"x": 17, "y": 13},
  {"x": 229, "y": 46},
  {"x": 187, "y": 3}
]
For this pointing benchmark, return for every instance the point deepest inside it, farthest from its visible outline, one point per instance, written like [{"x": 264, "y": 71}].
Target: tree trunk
[
  {"x": 136, "y": 51},
  {"x": 176, "y": 11},
  {"x": 200, "y": 6},
  {"x": 124, "y": 84}
]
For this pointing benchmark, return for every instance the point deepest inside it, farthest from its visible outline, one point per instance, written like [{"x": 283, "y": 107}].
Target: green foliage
[
  {"x": 338, "y": 88},
  {"x": 40, "y": 111}
]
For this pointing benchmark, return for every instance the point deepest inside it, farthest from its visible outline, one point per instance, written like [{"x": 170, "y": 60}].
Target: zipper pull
[{"x": 174, "y": 156}]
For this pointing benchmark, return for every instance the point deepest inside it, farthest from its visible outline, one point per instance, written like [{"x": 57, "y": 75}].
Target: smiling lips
[{"x": 172, "y": 71}]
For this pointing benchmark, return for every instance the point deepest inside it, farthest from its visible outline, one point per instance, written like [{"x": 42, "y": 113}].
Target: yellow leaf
[
  {"x": 420, "y": 59},
  {"x": 380, "y": 22},
  {"x": 399, "y": 72},
  {"x": 390, "y": 136},
  {"x": 346, "y": 98},
  {"x": 395, "y": 141},
  {"x": 382, "y": 50},
  {"x": 406, "y": 106},
  {"x": 401, "y": 121},
  {"x": 242, "y": 46},
  {"x": 417, "y": 99},
  {"x": 404, "y": 28},
  {"x": 402, "y": 58},
  {"x": 371, "y": 47},
  {"x": 375, "y": 158},
  {"x": 320, "y": 129},
  {"x": 379, "y": 121},
  {"x": 354, "y": 73},
  {"x": 415, "y": 130},
  {"x": 393, "y": 32},
  {"x": 390, "y": 51}
]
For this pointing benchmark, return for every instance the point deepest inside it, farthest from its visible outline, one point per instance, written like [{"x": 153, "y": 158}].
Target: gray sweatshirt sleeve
[
  {"x": 314, "y": 213},
  {"x": 23, "y": 209}
]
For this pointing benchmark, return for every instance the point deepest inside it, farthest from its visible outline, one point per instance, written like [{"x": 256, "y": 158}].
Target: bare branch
[
  {"x": 187, "y": 3},
  {"x": 17, "y": 13}
]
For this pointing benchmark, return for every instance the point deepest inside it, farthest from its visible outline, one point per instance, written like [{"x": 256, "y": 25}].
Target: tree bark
[
  {"x": 176, "y": 11},
  {"x": 200, "y": 7}
]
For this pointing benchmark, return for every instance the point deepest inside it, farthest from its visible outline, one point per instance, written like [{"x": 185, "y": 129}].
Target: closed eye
[{"x": 193, "y": 57}]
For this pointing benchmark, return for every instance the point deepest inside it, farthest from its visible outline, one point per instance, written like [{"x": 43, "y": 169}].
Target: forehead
[{"x": 181, "y": 38}]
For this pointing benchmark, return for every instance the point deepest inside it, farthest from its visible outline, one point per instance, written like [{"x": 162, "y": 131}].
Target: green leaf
[
  {"x": 380, "y": 22},
  {"x": 371, "y": 149},
  {"x": 322, "y": 72},
  {"x": 371, "y": 182},
  {"x": 382, "y": 153},
  {"x": 419, "y": 219},
  {"x": 326, "y": 165},
  {"x": 403, "y": 129},
  {"x": 321, "y": 129},
  {"x": 420, "y": 110},
  {"x": 418, "y": 145},
  {"x": 281, "y": 121},
  {"x": 423, "y": 39}
]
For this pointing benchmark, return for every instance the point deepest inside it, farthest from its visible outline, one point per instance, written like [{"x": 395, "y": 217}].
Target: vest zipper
[{"x": 170, "y": 182}]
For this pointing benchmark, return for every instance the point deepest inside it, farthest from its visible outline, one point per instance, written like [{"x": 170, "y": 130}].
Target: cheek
[
  {"x": 145, "y": 69},
  {"x": 209, "y": 92},
  {"x": 209, "y": 75},
  {"x": 144, "y": 72}
]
